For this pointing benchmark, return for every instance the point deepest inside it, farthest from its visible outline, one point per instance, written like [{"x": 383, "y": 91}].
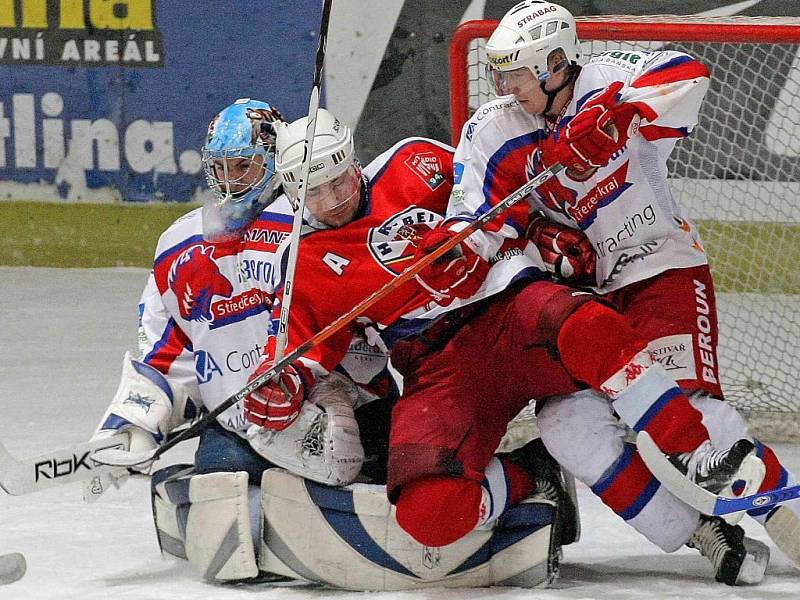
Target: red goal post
[{"x": 738, "y": 175}]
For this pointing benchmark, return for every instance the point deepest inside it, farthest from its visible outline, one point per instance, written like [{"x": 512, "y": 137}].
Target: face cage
[
  {"x": 229, "y": 213},
  {"x": 224, "y": 186},
  {"x": 361, "y": 190}
]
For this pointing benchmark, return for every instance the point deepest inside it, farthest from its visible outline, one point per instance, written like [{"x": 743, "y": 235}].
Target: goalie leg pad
[
  {"x": 206, "y": 520},
  {"x": 349, "y": 538},
  {"x": 323, "y": 444}
]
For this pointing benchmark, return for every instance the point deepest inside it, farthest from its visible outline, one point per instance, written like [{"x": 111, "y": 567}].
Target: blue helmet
[{"x": 239, "y": 164}]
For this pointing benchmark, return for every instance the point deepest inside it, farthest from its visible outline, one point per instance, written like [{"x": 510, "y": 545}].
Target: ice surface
[{"x": 62, "y": 337}]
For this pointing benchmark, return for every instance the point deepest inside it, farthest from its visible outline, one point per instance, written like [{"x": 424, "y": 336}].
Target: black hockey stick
[
  {"x": 127, "y": 459},
  {"x": 67, "y": 465}
]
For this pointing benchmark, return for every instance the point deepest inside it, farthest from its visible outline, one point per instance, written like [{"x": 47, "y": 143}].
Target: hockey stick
[
  {"x": 127, "y": 459},
  {"x": 299, "y": 206},
  {"x": 695, "y": 496},
  {"x": 76, "y": 463},
  {"x": 12, "y": 567}
]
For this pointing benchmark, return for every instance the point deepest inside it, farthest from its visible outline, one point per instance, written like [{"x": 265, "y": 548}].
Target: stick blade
[
  {"x": 12, "y": 567},
  {"x": 115, "y": 457}
]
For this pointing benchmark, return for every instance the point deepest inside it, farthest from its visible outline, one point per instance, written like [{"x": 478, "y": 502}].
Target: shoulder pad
[{"x": 629, "y": 61}]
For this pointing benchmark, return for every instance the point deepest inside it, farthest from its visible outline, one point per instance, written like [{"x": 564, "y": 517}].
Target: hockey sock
[
  {"x": 618, "y": 364},
  {"x": 439, "y": 510}
]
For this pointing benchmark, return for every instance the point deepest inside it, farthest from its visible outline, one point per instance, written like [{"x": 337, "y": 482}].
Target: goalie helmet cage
[{"x": 738, "y": 175}]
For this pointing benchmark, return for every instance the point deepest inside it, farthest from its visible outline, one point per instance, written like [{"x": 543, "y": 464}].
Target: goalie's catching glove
[
  {"x": 567, "y": 253},
  {"x": 276, "y": 404},
  {"x": 600, "y": 129},
  {"x": 459, "y": 273}
]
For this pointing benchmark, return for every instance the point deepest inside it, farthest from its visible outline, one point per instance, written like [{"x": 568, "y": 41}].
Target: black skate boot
[
  {"x": 736, "y": 559},
  {"x": 551, "y": 484},
  {"x": 714, "y": 470}
]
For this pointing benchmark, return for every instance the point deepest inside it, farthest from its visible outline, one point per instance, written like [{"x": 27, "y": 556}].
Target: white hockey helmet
[
  {"x": 528, "y": 34},
  {"x": 333, "y": 152}
]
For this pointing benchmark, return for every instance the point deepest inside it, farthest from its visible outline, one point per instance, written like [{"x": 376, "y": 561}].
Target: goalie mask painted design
[{"x": 239, "y": 164}]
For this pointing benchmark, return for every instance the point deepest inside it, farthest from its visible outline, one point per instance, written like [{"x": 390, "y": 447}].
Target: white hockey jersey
[
  {"x": 625, "y": 208},
  {"x": 205, "y": 313}
]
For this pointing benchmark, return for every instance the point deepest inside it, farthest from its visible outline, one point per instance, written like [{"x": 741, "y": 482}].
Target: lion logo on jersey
[
  {"x": 195, "y": 279},
  {"x": 553, "y": 193}
]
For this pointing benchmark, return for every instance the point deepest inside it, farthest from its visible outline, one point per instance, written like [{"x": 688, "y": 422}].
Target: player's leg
[
  {"x": 582, "y": 433},
  {"x": 599, "y": 347},
  {"x": 206, "y": 520},
  {"x": 457, "y": 400},
  {"x": 677, "y": 311}
]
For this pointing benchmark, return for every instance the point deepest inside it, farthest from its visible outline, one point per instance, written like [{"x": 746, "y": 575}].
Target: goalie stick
[
  {"x": 76, "y": 463},
  {"x": 127, "y": 459},
  {"x": 695, "y": 496},
  {"x": 12, "y": 567}
]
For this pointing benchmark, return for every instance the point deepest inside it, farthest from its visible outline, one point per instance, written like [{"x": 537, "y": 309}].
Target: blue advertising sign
[{"x": 98, "y": 94}]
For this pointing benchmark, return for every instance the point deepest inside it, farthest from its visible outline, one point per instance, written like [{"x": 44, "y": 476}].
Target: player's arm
[
  {"x": 660, "y": 101},
  {"x": 487, "y": 169},
  {"x": 277, "y": 403},
  {"x": 150, "y": 400}
]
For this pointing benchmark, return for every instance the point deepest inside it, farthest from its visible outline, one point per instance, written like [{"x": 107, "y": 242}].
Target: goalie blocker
[{"x": 343, "y": 537}]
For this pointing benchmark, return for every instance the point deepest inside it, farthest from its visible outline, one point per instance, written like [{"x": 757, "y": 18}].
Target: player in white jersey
[
  {"x": 610, "y": 221},
  {"x": 204, "y": 317}
]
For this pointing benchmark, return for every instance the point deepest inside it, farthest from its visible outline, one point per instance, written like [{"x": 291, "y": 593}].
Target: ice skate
[
  {"x": 736, "y": 559},
  {"x": 715, "y": 470},
  {"x": 550, "y": 482}
]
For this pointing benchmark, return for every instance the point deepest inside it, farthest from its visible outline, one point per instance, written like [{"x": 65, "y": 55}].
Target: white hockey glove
[
  {"x": 323, "y": 443},
  {"x": 145, "y": 407}
]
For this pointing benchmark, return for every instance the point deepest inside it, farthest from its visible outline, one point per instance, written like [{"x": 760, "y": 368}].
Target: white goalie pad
[
  {"x": 348, "y": 538},
  {"x": 323, "y": 444},
  {"x": 205, "y": 520}
]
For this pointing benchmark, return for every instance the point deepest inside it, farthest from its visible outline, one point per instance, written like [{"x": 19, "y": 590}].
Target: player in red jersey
[{"x": 475, "y": 340}]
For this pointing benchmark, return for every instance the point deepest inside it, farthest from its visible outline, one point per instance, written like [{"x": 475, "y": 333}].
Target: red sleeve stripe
[
  {"x": 171, "y": 345},
  {"x": 657, "y": 132},
  {"x": 681, "y": 69}
]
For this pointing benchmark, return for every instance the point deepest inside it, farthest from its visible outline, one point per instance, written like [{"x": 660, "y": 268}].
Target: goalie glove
[
  {"x": 567, "y": 253},
  {"x": 146, "y": 407},
  {"x": 276, "y": 404},
  {"x": 600, "y": 129},
  {"x": 459, "y": 273}
]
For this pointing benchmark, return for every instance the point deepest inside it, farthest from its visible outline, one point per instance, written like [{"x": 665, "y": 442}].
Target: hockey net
[{"x": 738, "y": 175}]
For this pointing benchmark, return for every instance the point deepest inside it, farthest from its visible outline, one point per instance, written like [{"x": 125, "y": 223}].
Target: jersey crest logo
[
  {"x": 390, "y": 244},
  {"x": 428, "y": 167},
  {"x": 195, "y": 278}
]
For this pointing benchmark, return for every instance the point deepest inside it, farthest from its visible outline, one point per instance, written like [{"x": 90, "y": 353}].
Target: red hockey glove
[
  {"x": 567, "y": 252},
  {"x": 601, "y": 128},
  {"x": 276, "y": 404},
  {"x": 457, "y": 274}
]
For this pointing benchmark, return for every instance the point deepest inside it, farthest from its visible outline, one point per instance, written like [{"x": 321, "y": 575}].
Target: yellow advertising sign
[{"x": 80, "y": 32}]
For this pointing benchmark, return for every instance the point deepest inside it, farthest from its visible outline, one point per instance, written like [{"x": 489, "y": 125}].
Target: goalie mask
[
  {"x": 239, "y": 164},
  {"x": 335, "y": 185},
  {"x": 526, "y": 38}
]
